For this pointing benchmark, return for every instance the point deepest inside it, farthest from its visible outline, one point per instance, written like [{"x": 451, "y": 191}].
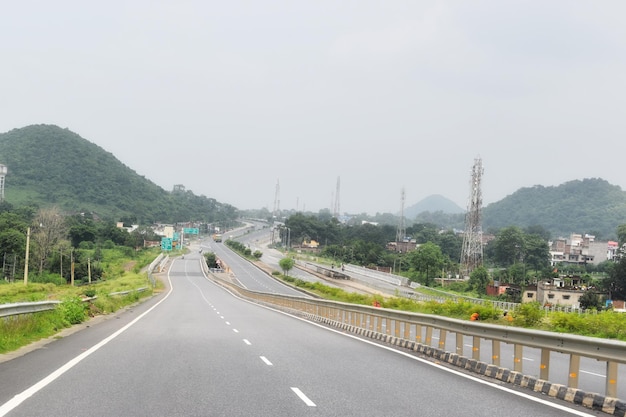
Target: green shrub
[
  {"x": 73, "y": 310},
  {"x": 90, "y": 292},
  {"x": 46, "y": 278},
  {"x": 460, "y": 287},
  {"x": 529, "y": 314}
]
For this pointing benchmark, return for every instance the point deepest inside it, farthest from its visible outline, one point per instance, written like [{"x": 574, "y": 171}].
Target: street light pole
[{"x": 26, "y": 256}]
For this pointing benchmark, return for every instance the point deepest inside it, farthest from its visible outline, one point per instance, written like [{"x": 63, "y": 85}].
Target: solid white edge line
[
  {"x": 443, "y": 368},
  {"x": 29, "y": 392},
  {"x": 591, "y": 373},
  {"x": 303, "y": 397}
]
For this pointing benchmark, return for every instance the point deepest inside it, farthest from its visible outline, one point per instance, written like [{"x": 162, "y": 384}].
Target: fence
[
  {"x": 400, "y": 325},
  {"x": 26, "y": 308}
]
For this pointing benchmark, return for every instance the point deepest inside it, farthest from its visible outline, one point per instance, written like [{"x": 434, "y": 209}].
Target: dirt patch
[{"x": 129, "y": 266}]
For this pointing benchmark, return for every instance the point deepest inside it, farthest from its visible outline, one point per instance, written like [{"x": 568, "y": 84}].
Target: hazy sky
[{"x": 229, "y": 97}]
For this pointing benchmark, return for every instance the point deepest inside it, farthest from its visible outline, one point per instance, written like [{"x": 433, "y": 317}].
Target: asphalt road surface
[{"x": 197, "y": 350}]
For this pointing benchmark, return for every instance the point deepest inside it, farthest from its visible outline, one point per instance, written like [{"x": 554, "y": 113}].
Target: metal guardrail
[
  {"x": 142, "y": 289},
  {"x": 381, "y": 276},
  {"x": 402, "y": 324},
  {"x": 16, "y": 309},
  {"x": 160, "y": 262},
  {"x": 27, "y": 308}
]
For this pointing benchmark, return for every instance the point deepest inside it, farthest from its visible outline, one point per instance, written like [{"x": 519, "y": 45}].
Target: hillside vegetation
[
  {"x": 582, "y": 206},
  {"x": 50, "y": 166}
]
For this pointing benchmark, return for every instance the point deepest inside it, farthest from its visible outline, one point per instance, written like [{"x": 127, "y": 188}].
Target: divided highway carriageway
[{"x": 199, "y": 349}]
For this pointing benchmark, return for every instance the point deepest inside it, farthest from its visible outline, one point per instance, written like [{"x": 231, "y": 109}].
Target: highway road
[
  {"x": 258, "y": 239},
  {"x": 197, "y": 350},
  {"x": 592, "y": 372}
]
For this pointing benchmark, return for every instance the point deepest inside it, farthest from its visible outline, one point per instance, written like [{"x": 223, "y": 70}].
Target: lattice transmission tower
[
  {"x": 3, "y": 173},
  {"x": 276, "y": 212},
  {"x": 472, "y": 252},
  {"x": 401, "y": 231},
  {"x": 336, "y": 206}
]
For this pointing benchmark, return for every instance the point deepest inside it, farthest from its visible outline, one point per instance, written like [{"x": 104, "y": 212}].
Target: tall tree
[
  {"x": 286, "y": 264},
  {"x": 426, "y": 259},
  {"x": 12, "y": 233},
  {"x": 46, "y": 233},
  {"x": 536, "y": 253},
  {"x": 509, "y": 246},
  {"x": 616, "y": 282},
  {"x": 621, "y": 234},
  {"x": 450, "y": 244},
  {"x": 479, "y": 278}
]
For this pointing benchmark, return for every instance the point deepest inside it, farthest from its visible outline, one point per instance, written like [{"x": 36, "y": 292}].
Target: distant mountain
[
  {"x": 432, "y": 204},
  {"x": 50, "y": 166},
  {"x": 582, "y": 206}
]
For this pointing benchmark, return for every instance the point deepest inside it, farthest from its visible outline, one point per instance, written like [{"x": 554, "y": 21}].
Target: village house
[
  {"x": 563, "y": 291},
  {"x": 581, "y": 250}
]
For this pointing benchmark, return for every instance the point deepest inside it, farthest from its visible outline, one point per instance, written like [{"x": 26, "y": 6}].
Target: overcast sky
[{"x": 230, "y": 98}]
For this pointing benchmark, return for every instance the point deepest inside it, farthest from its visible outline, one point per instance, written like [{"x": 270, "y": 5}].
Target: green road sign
[{"x": 166, "y": 243}]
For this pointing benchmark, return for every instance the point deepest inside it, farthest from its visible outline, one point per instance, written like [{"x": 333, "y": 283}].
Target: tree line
[
  {"x": 59, "y": 245},
  {"x": 518, "y": 256}
]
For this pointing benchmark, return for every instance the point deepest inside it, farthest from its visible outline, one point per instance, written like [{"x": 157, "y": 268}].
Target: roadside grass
[
  {"x": 123, "y": 274},
  {"x": 602, "y": 324},
  {"x": 18, "y": 331}
]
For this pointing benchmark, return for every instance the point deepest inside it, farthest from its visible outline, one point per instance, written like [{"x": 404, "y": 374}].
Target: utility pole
[
  {"x": 401, "y": 231},
  {"x": 72, "y": 266},
  {"x": 337, "y": 201},
  {"x": 276, "y": 211},
  {"x": 26, "y": 256}
]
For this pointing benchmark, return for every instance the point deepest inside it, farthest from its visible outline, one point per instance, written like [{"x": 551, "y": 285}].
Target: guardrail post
[
  {"x": 495, "y": 352},
  {"x": 611, "y": 379},
  {"x": 418, "y": 333},
  {"x": 544, "y": 366},
  {"x": 476, "y": 348},
  {"x": 611, "y": 352},
  {"x": 517, "y": 357},
  {"x": 442, "y": 338},
  {"x": 574, "y": 368},
  {"x": 429, "y": 335}
]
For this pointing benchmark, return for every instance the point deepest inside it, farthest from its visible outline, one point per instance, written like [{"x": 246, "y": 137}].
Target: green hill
[
  {"x": 50, "y": 166},
  {"x": 433, "y": 203},
  {"x": 582, "y": 206}
]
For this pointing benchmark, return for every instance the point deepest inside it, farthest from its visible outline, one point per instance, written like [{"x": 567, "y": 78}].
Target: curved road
[
  {"x": 197, "y": 350},
  {"x": 592, "y": 372}
]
